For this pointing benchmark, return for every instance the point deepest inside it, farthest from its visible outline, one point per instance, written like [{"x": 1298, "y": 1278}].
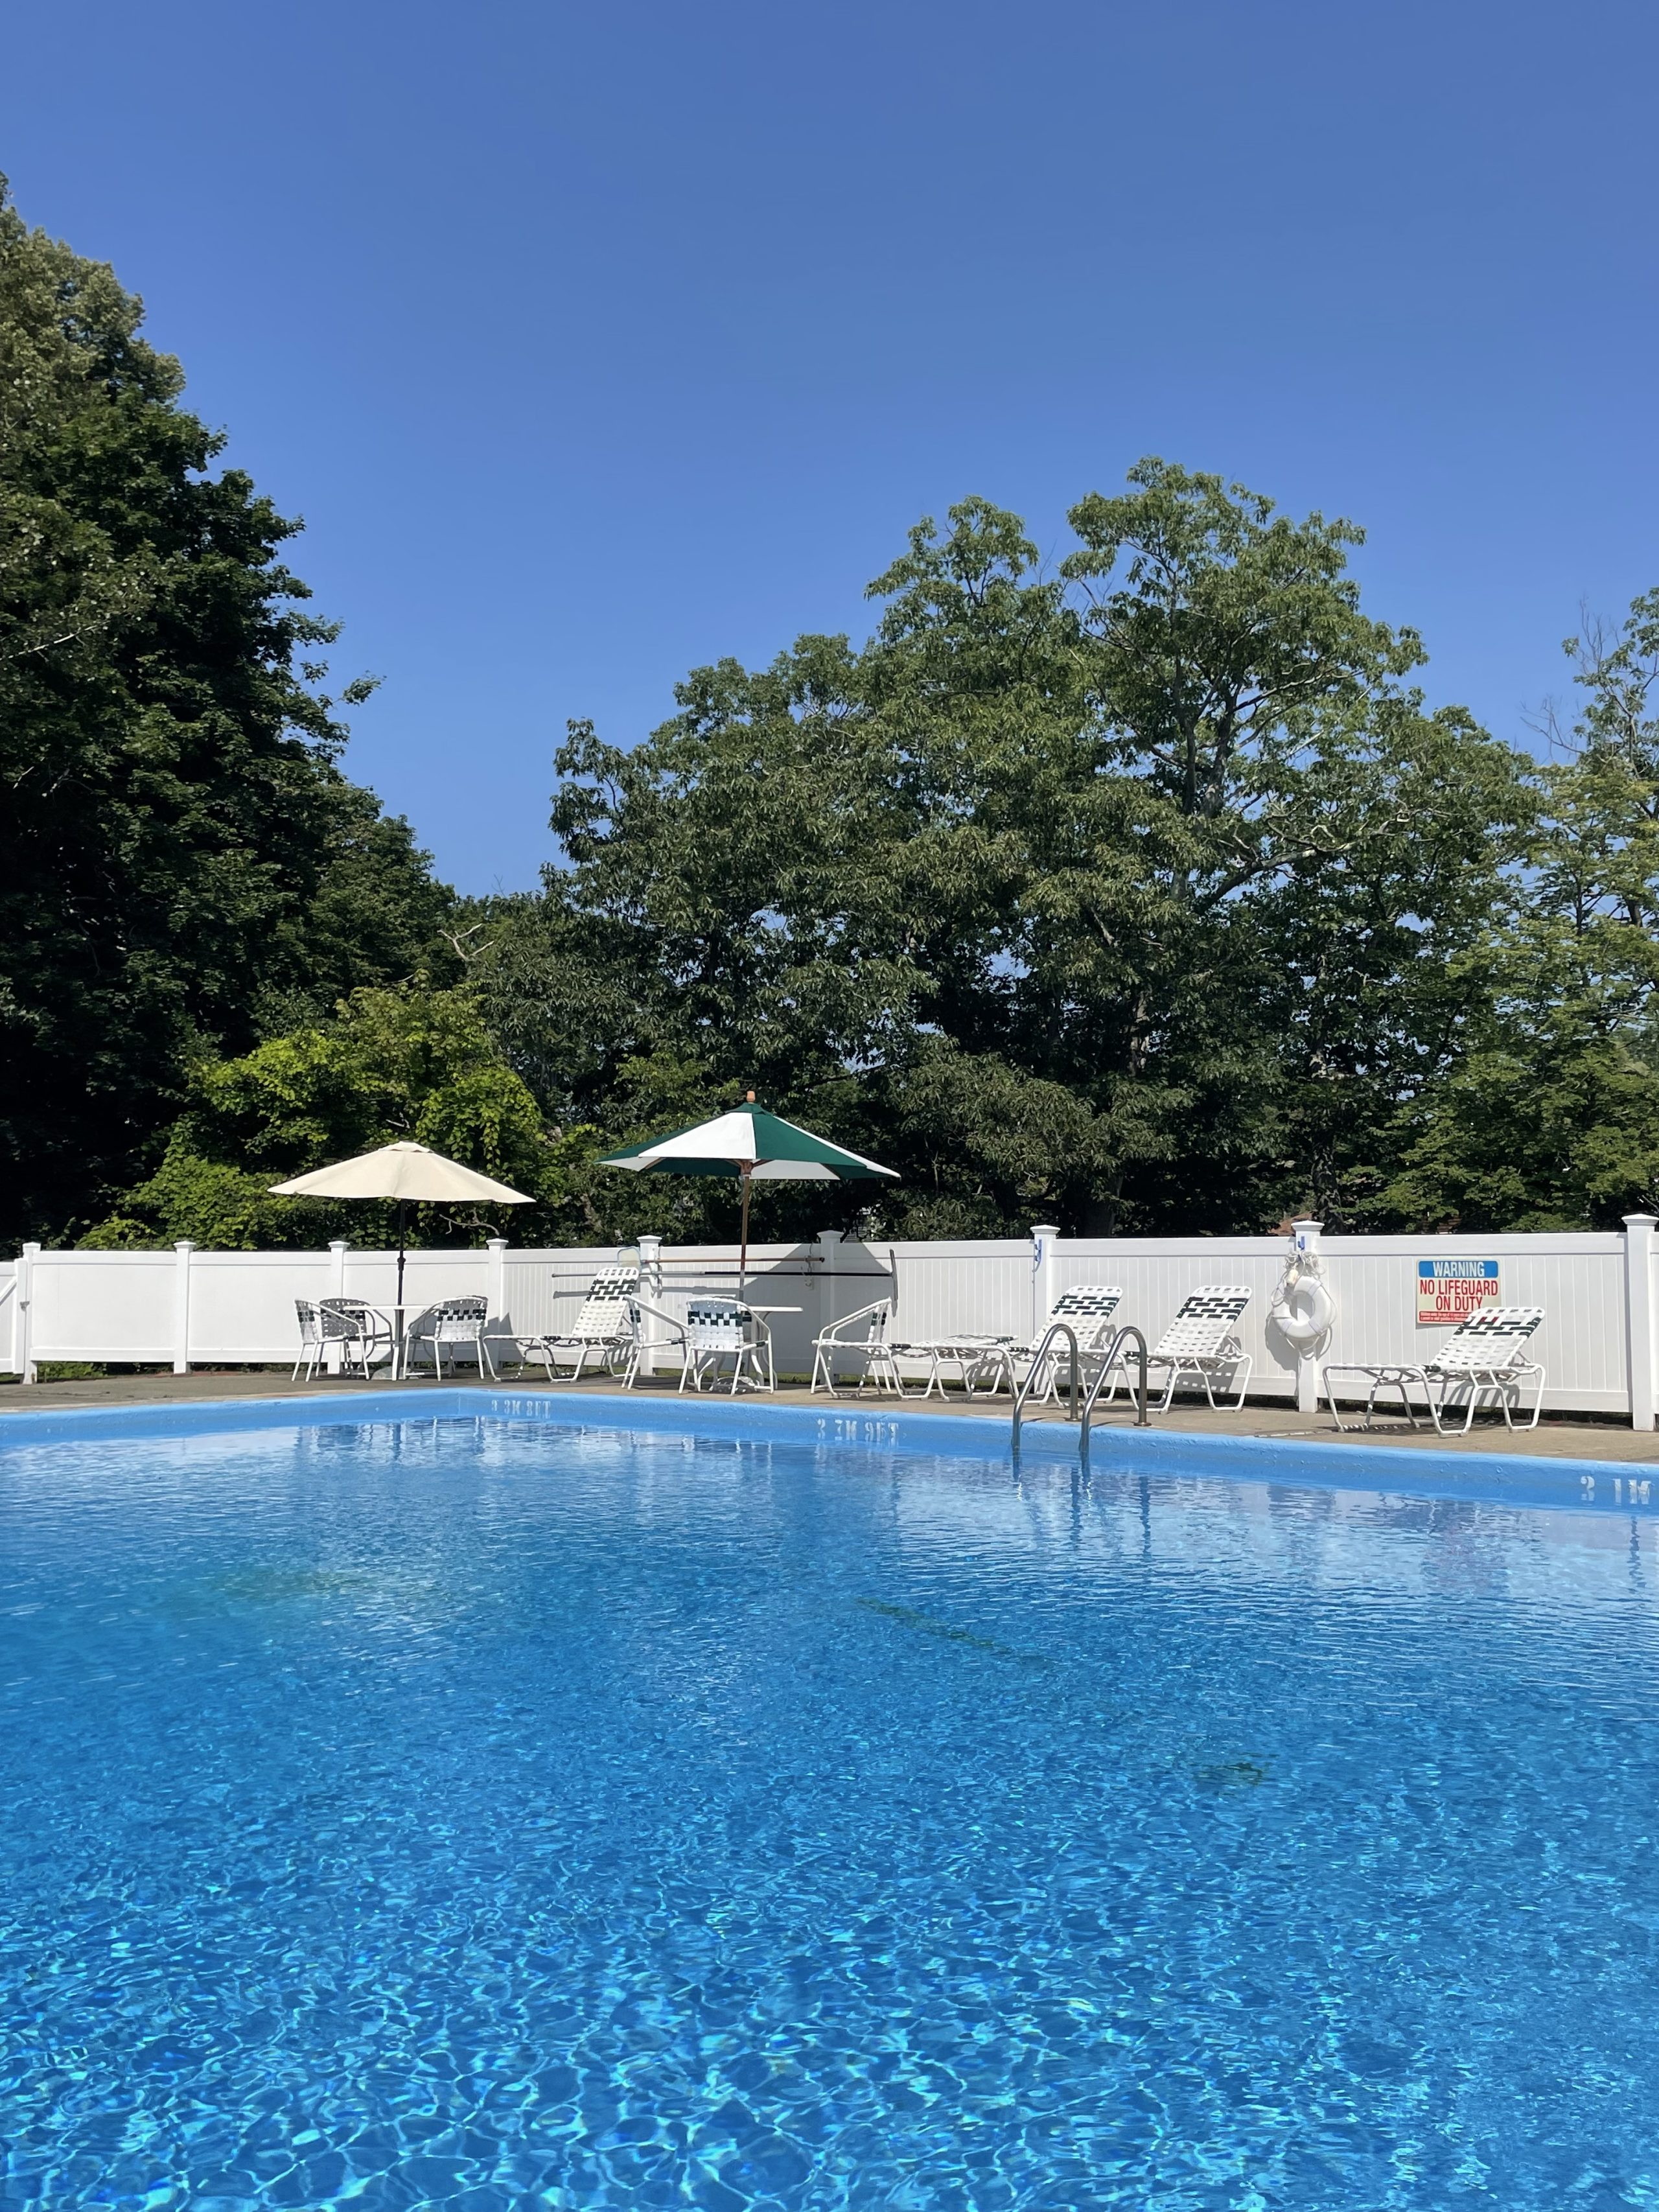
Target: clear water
[{"x": 473, "y": 1814}]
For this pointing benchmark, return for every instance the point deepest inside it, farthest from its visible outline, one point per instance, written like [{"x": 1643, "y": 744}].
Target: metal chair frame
[{"x": 879, "y": 1356}]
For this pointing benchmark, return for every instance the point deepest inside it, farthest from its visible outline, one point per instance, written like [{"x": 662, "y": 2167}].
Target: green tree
[
  {"x": 1132, "y": 893},
  {"x": 1550, "y": 1119},
  {"x": 389, "y": 1065},
  {"x": 182, "y": 864}
]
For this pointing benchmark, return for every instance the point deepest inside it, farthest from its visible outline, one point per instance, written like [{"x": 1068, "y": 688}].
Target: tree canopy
[
  {"x": 183, "y": 866},
  {"x": 1143, "y": 895}
]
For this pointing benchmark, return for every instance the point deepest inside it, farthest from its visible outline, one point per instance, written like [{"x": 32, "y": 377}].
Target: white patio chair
[
  {"x": 362, "y": 1334},
  {"x": 874, "y": 1358},
  {"x": 1487, "y": 1352},
  {"x": 1200, "y": 1342},
  {"x": 453, "y": 1321},
  {"x": 363, "y": 1330},
  {"x": 718, "y": 1329},
  {"x": 604, "y": 1328},
  {"x": 1090, "y": 1309},
  {"x": 312, "y": 1341}
]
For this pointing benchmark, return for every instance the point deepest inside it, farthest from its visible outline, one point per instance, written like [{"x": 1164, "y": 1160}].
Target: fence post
[
  {"x": 651, "y": 1292},
  {"x": 338, "y": 1248},
  {"x": 830, "y": 1244},
  {"x": 23, "y": 1326},
  {"x": 1639, "y": 1312},
  {"x": 1044, "y": 1238},
  {"x": 1306, "y": 1236},
  {"x": 495, "y": 1285},
  {"x": 182, "y": 1249}
]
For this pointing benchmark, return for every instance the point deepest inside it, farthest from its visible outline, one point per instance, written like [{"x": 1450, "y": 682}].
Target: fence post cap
[{"x": 1641, "y": 1221}]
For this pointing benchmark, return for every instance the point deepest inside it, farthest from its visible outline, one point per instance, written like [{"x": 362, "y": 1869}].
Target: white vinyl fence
[{"x": 219, "y": 1308}]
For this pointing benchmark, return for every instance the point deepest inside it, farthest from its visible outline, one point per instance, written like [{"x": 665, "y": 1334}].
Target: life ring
[{"x": 1303, "y": 1309}]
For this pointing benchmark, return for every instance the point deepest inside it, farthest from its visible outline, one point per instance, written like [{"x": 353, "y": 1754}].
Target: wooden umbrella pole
[{"x": 743, "y": 1255}]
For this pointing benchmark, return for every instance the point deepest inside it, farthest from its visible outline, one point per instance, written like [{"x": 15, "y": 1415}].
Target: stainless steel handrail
[
  {"x": 1054, "y": 1328},
  {"x": 1106, "y": 1367}
]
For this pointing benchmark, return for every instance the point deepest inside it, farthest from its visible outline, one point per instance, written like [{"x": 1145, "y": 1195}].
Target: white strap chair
[
  {"x": 454, "y": 1321},
  {"x": 1201, "y": 1342},
  {"x": 364, "y": 1331},
  {"x": 718, "y": 1329},
  {"x": 1487, "y": 1353},
  {"x": 311, "y": 1340},
  {"x": 604, "y": 1330},
  {"x": 871, "y": 1356},
  {"x": 1090, "y": 1309},
  {"x": 361, "y": 1333}
]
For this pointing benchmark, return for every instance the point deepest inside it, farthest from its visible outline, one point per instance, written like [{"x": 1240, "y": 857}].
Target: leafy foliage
[
  {"x": 392, "y": 1065},
  {"x": 1551, "y": 1119},
  {"x": 183, "y": 868}
]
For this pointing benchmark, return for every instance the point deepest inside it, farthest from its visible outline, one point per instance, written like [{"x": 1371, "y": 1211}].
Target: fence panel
[
  {"x": 241, "y": 1304},
  {"x": 978, "y": 1289},
  {"x": 103, "y": 1305},
  {"x": 1578, "y": 1280}
]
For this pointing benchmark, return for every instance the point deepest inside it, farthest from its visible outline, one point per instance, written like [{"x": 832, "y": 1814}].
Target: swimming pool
[{"x": 471, "y": 1810}]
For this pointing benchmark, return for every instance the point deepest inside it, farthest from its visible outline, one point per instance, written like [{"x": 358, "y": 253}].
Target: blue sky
[{"x": 593, "y": 343}]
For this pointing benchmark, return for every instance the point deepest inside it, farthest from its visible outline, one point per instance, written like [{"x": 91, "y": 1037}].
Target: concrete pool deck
[{"x": 1559, "y": 1437}]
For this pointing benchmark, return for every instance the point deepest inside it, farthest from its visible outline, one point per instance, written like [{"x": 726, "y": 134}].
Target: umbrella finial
[{"x": 749, "y": 1097}]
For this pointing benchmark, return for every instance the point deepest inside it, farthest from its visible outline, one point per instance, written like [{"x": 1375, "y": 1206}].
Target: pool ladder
[{"x": 1084, "y": 1415}]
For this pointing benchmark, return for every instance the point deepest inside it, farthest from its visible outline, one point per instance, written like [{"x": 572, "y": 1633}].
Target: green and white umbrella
[{"x": 749, "y": 1146}]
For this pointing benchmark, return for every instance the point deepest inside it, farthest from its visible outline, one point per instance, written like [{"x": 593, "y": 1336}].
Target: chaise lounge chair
[
  {"x": 1487, "y": 1352},
  {"x": 1202, "y": 1342},
  {"x": 603, "y": 1329},
  {"x": 1090, "y": 1309}
]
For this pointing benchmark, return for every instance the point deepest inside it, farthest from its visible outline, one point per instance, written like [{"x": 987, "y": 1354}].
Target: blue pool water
[{"x": 476, "y": 1812}]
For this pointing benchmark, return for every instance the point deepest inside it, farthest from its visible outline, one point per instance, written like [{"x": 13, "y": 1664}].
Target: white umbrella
[{"x": 411, "y": 1174}]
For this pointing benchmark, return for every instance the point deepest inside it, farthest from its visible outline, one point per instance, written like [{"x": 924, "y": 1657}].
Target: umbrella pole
[
  {"x": 403, "y": 1215},
  {"x": 743, "y": 1255}
]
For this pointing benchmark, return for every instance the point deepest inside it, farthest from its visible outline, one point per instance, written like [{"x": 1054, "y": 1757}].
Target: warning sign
[{"x": 1449, "y": 1290}]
